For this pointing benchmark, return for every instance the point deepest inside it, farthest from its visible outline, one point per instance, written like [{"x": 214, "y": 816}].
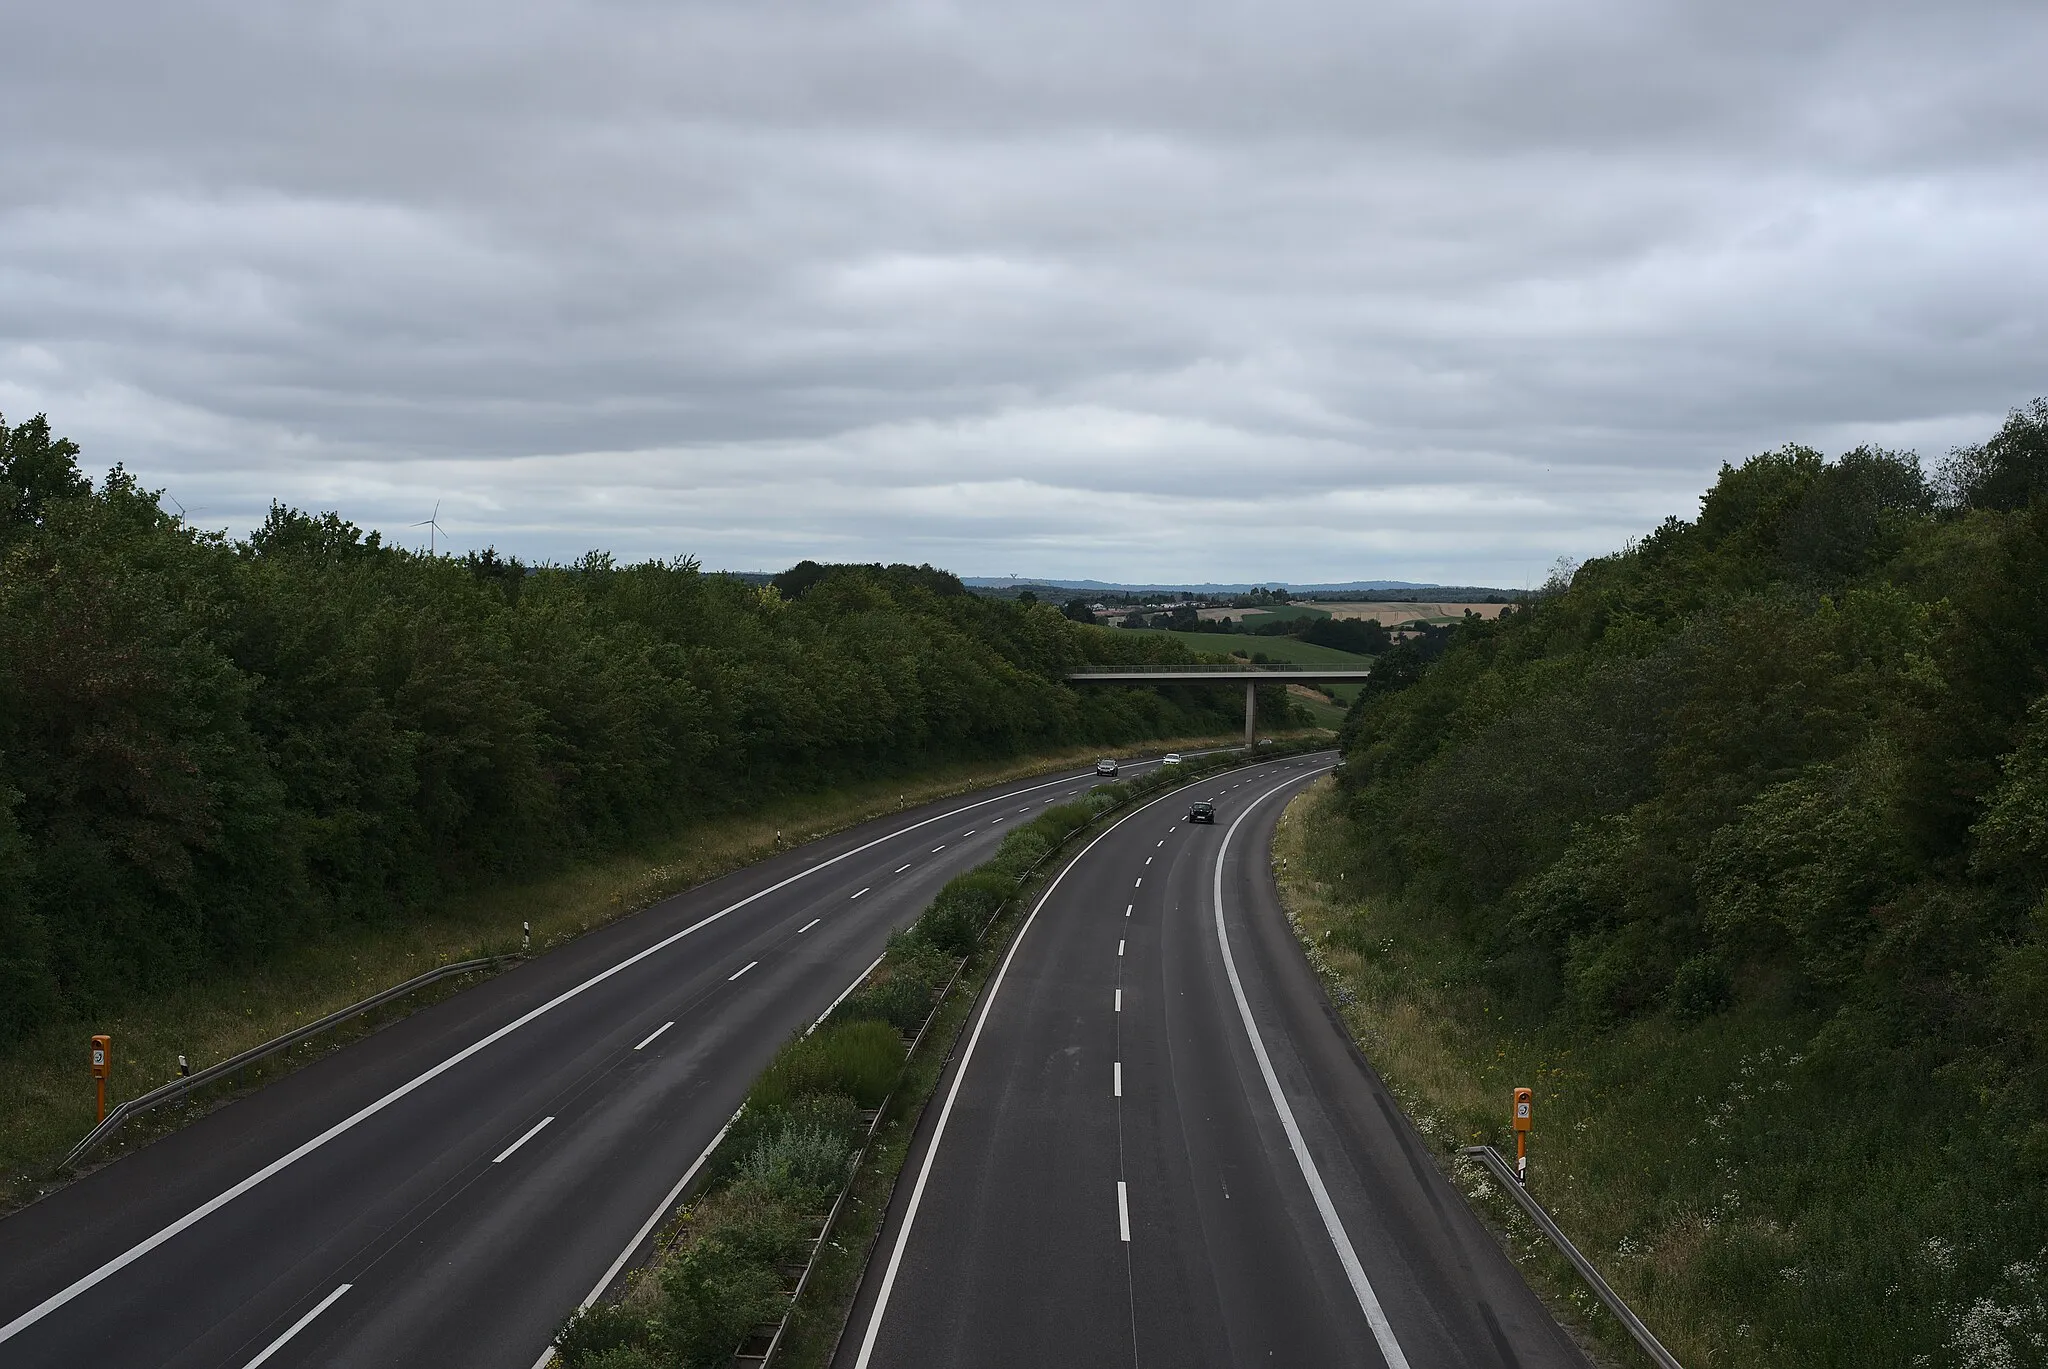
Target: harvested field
[{"x": 1390, "y": 613}]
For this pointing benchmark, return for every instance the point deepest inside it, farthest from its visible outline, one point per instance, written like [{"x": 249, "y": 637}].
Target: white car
[{"x": 1172, "y": 758}]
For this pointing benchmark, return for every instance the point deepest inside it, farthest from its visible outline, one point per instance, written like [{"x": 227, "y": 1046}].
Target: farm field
[{"x": 1402, "y": 612}]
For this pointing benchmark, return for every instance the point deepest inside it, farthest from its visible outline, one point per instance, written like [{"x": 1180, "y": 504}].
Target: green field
[{"x": 1282, "y": 649}]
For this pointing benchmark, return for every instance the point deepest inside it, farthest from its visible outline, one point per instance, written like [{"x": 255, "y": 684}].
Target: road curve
[
  {"x": 1159, "y": 1146},
  {"x": 445, "y": 1190}
]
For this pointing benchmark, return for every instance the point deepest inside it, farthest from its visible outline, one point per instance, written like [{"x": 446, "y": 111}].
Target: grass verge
[
  {"x": 1450, "y": 1072},
  {"x": 46, "y": 1100},
  {"x": 1761, "y": 1186}
]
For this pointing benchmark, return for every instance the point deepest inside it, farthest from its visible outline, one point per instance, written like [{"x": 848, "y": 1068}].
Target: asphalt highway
[
  {"x": 1158, "y": 1146},
  {"x": 444, "y": 1191}
]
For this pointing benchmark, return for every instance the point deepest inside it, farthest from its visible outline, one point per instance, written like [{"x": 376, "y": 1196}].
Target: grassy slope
[
  {"x": 1661, "y": 1157},
  {"x": 46, "y": 1100}
]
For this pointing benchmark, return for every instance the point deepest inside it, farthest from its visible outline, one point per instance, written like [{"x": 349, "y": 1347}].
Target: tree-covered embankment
[
  {"x": 1736, "y": 846},
  {"x": 212, "y": 750}
]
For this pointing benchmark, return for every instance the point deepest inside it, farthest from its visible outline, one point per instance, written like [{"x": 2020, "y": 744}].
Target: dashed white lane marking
[
  {"x": 741, "y": 970},
  {"x": 857, "y": 895},
  {"x": 531, "y": 1132},
  {"x": 1123, "y": 1213},
  {"x": 1119, "y": 947},
  {"x": 808, "y": 925},
  {"x": 1116, "y": 1079},
  {"x": 931, "y": 1153},
  {"x": 970, "y": 831},
  {"x": 901, "y": 868},
  {"x": 1148, "y": 860},
  {"x": 298, "y": 1326},
  {"x": 1119, "y": 1000},
  {"x": 1140, "y": 884},
  {"x": 1128, "y": 907},
  {"x": 1162, "y": 841},
  {"x": 940, "y": 847},
  {"x": 651, "y": 1035}
]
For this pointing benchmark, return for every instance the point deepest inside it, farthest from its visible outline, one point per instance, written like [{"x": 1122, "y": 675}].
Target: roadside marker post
[
  {"x": 526, "y": 936},
  {"x": 102, "y": 1062},
  {"x": 1524, "y": 1098}
]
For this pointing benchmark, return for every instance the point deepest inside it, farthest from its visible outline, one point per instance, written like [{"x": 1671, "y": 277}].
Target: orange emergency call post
[
  {"x": 102, "y": 1062},
  {"x": 1524, "y": 1099}
]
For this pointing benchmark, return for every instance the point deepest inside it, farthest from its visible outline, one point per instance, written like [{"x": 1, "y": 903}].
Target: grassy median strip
[
  {"x": 725, "y": 1270},
  {"x": 46, "y": 1099}
]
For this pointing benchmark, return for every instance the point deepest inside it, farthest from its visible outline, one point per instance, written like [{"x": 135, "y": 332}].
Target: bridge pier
[{"x": 1251, "y": 713}]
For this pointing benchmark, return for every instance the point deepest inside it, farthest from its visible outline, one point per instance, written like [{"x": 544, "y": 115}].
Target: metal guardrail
[
  {"x": 1501, "y": 1170},
  {"x": 178, "y": 1088}
]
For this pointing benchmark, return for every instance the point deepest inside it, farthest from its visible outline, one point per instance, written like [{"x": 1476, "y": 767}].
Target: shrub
[
  {"x": 858, "y": 1059},
  {"x": 712, "y": 1296},
  {"x": 801, "y": 1165},
  {"x": 587, "y": 1338}
]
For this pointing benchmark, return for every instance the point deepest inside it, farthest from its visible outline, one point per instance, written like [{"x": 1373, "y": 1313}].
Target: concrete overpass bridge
[{"x": 1252, "y": 676}]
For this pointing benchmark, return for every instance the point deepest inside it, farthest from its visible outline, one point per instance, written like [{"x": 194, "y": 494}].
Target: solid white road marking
[
  {"x": 651, "y": 1035},
  {"x": 931, "y": 1154},
  {"x": 808, "y": 925},
  {"x": 531, "y": 1132},
  {"x": 369, "y": 1110},
  {"x": 1361, "y": 1287},
  {"x": 844, "y": 993},
  {"x": 858, "y": 895},
  {"x": 1123, "y": 1213},
  {"x": 1116, "y": 1084},
  {"x": 646, "y": 1228},
  {"x": 741, "y": 970},
  {"x": 298, "y": 1326}
]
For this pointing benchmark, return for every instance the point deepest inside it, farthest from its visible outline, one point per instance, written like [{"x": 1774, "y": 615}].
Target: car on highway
[
  {"x": 1172, "y": 758},
  {"x": 1202, "y": 811},
  {"x": 1106, "y": 766}
]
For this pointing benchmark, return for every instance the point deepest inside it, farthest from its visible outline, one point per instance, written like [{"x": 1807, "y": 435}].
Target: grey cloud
[{"x": 1135, "y": 291}]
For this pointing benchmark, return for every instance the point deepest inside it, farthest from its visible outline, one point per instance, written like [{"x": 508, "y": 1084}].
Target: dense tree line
[
  {"x": 211, "y": 748},
  {"x": 1788, "y": 757}
]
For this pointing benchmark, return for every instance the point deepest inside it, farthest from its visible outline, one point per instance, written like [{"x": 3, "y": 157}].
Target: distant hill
[{"x": 1386, "y": 588}]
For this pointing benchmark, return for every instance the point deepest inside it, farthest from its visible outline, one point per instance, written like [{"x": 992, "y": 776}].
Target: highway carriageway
[
  {"x": 1157, "y": 1145},
  {"x": 444, "y": 1191}
]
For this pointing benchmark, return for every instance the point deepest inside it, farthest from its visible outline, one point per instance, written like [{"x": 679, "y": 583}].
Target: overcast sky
[{"x": 1306, "y": 291}]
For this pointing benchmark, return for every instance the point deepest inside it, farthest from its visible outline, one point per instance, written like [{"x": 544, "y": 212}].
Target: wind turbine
[{"x": 432, "y": 525}]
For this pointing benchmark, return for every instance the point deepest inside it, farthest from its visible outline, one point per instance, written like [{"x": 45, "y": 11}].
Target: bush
[
  {"x": 712, "y": 1296},
  {"x": 801, "y": 1165},
  {"x": 588, "y": 1336},
  {"x": 857, "y": 1059}
]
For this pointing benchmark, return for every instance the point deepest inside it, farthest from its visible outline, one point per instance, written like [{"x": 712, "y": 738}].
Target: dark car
[
  {"x": 1106, "y": 766},
  {"x": 1202, "y": 811}
]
